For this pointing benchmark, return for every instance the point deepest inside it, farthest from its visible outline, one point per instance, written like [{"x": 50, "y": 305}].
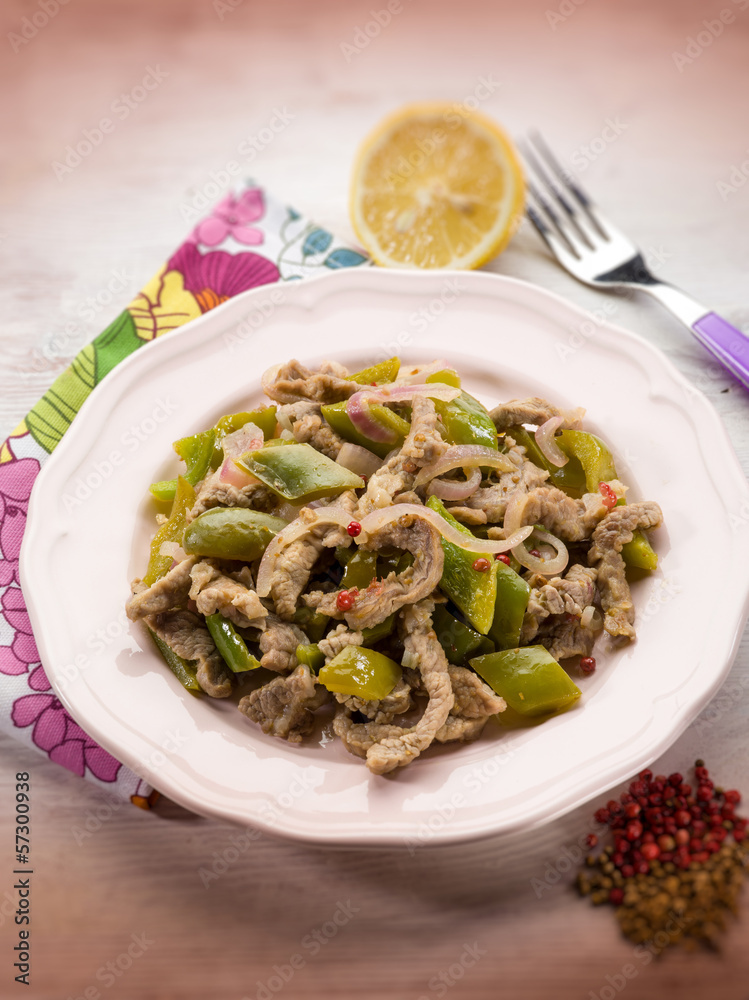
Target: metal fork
[{"x": 598, "y": 254}]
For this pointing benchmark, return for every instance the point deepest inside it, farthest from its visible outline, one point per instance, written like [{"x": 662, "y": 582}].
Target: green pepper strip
[
  {"x": 385, "y": 371},
  {"x": 171, "y": 531},
  {"x": 529, "y": 679},
  {"x": 512, "y": 600},
  {"x": 375, "y": 633},
  {"x": 311, "y": 656},
  {"x": 447, "y": 377},
  {"x": 639, "y": 553},
  {"x": 466, "y": 421},
  {"x": 338, "y": 418},
  {"x": 364, "y": 673},
  {"x": 474, "y": 592},
  {"x": 182, "y": 669},
  {"x": 457, "y": 639},
  {"x": 196, "y": 452},
  {"x": 231, "y": 533},
  {"x": 361, "y": 570},
  {"x": 263, "y": 418},
  {"x": 570, "y": 478},
  {"x": 311, "y": 622},
  {"x": 592, "y": 454},
  {"x": 231, "y": 645},
  {"x": 298, "y": 472}
]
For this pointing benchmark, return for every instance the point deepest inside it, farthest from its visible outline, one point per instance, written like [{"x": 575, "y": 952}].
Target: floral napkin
[{"x": 212, "y": 265}]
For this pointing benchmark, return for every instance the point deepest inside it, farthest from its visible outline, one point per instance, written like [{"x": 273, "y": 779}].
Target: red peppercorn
[
  {"x": 685, "y": 789},
  {"x": 675, "y": 779},
  {"x": 698, "y": 827},
  {"x": 535, "y": 552},
  {"x": 618, "y": 859},
  {"x": 642, "y": 867},
  {"x": 727, "y": 812},
  {"x": 701, "y": 857},
  {"x": 346, "y": 598},
  {"x": 503, "y": 557},
  {"x": 632, "y": 810},
  {"x": 683, "y": 860},
  {"x": 645, "y": 775},
  {"x": 481, "y": 565},
  {"x": 609, "y": 498},
  {"x": 701, "y": 771},
  {"x": 616, "y": 896},
  {"x": 681, "y": 837},
  {"x": 591, "y": 840},
  {"x": 625, "y": 797},
  {"x": 588, "y": 664},
  {"x": 648, "y": 837},
  {"x": 638, "y": 788},
  {"x": 651, "y": 851},
  {"x": 602, "y": 815},
  {"x": 666, "y": 843},
  {"x": 633, "y": 830},
  {"x": 628, "y": 871},
  {"x": 621, "y": 845},
  {"x": 732, "y": 796},
  {"x": 712, "y": 846},
  {"x": 739, "y": 835},
  {"x": 613, "y": 807},
  {"x": 695, "y": 844},
  {"x": 354, "y": 529}
]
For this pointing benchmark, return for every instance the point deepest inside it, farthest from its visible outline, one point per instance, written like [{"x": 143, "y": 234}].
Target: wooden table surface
[{"x": 648, "y": 100}]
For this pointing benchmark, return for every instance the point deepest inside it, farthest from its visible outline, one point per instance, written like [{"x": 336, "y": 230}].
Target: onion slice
[
  {"x": 417, "y": 373},
  {"x": 234, "y": 476},
  {"x": 357, "y": 406},
  {"x": 465, "y": 456},
  {"x": 454, "y": 489},
  {"x": 379, "y": 518},
  {"x": 358, "y": 460},
  {"x": 546, "y": 443},
  {"x": 249, "y": 437},
  {"x": 536, "y": 564},
  {"x": 307, "y": 520}
]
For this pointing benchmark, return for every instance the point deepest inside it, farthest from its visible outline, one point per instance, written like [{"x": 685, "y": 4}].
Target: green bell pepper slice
[
  {"x": 570, "y": 478},
  {"x": 379, "y": 374},
  {"x": 639, "y": 553},
  {"x": 311, "y": 622},
  {"x": 474, "y": 592},
  {"x": 171, "y": 531},
  {"x": 593, "y": 455},
  {"x": 512, "y": 600},
  {"x": 457, "y": 639},
  {"x": 231, "y": 533},
  {"x": 375, "y": 633},
  {"x": 338, "y": 418},
  {"x": 183, "y": 670},
  {"x": 466, "y": 421},
  {"x": 447, "y": 377},
  {"x": 310, "y": 655},
  {"x": 196, "y": 452},
  {"x": 231, "y": 645},
  {"x": 361, "y": 570},
  {"x": 362, "y": 672},
  {"x": 298, "y": 472},
  {"x": 263, "y": 418},
  {"x": 529, "y": 679}
]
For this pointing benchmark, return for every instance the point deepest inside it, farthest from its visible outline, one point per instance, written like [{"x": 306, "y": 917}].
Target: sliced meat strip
[
  {"x": 216, "y": 590},
  {"x": 186, "y": 634},
  {"x": 283, "y": 707},
  {"x": 171, "y": 591},
  {"x": 570, "y": 594},
  {"x": 212, "y": 492},
  {"x": 474, "y": 703},
  {"x": 294, "y": 563},
  {"x": 385, "y": 709},
  {"x": 278, "y": 645},
  {"x": 383, "y": 597},
  {"x": 424, "y": 443},
  {"x": 469, "y": 516},
  {"x": 565, "y": 639},
  {"x": 532, "y": 410},
  {"x": 568, "y": 519},
  {"x": 294, "y": 381},
  {"x": 491, "y": 501},
  {"x": 338, "y": 639},
  {"x": 611, "y": 535}
]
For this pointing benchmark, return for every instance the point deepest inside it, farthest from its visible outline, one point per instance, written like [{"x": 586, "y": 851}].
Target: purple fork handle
[{"x": 729, "y": 345}]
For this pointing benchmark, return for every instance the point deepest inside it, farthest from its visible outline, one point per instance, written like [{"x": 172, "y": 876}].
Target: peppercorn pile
[{"x": 677, "y": 863}]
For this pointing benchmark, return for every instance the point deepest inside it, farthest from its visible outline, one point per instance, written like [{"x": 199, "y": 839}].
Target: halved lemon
[{"x": 436, "y": 185}]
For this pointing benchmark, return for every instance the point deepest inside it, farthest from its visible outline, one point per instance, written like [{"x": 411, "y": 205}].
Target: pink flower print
[
  {"x": 230, "y": 218},
  {"x": 18, "y": 657},
  {"x": 56, "y": 733},
  {"x": 16, "y": 479},
  {"x": 214, "y": 277}
]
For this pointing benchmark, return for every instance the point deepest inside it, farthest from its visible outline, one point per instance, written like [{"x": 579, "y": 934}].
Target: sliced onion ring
[
  {"x": 592, "y": 619},
  {"x": 307, "y": 520},
  {"x": 547, "y": 567},
  {"x": 546, "y": 443},
  {"x": 234, "y": 476},
  {"x": 379, "y": 518},
  {"x": 422, "y": 371},
  {"x": 359, "y": 460},
  {"x": 455, "y": 489},
  {"x": 357, "y": 406},
  {"x": 465, "y": 456}
]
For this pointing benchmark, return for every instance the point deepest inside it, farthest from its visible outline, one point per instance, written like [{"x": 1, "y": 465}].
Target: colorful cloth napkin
[{"x": 212, "y": 265}]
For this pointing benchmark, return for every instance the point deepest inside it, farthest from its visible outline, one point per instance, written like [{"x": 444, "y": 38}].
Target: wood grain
[{"x": 112, "y": 221}]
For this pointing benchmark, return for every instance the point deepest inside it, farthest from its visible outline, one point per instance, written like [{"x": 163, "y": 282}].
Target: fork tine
[
  {"x": 556, "y": 194},
  {"x": 553, "y": 235},
  {"x": 565, "y": 178}
]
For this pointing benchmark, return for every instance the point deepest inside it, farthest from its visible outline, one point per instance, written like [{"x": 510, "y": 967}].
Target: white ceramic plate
[{"x": 507, "y": 339}]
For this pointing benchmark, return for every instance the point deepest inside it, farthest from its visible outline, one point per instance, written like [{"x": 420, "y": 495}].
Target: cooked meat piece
[
  {"x": 424, "y": 443},
  {"x": 492, "y": 500},
  {"x": 360, "y": 737},
  {"x": 473, "y": 698},
  {"x": 294, "y": 563},
  {"x": 214, "y": 590},
  {"x": 326, "y": 385},
  {"x": 278, "y": 645},
  {"x": 337, "y": 640},
  {"x": 383, "y": 597},
  {"x": 568, "y": 519},
  {"x": 186, "y": 634},
  {"x": 457, "y": 728},
  {"x": 568, "y": 595},
  {"x": 614, "y": 531},
  {"x": 566, "y": 638},
  {"x": 384, "y": 710},
  {"x": 171, "y": 591},
  {"x": 283, "y": 707},
  {"x": 312, "y": 429},
  {"x": 469, "y": 516},
  {"x": 423, "y": 652},
  {"x": 533, "y": 410},
  {"x": 212, "y": 492}
]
